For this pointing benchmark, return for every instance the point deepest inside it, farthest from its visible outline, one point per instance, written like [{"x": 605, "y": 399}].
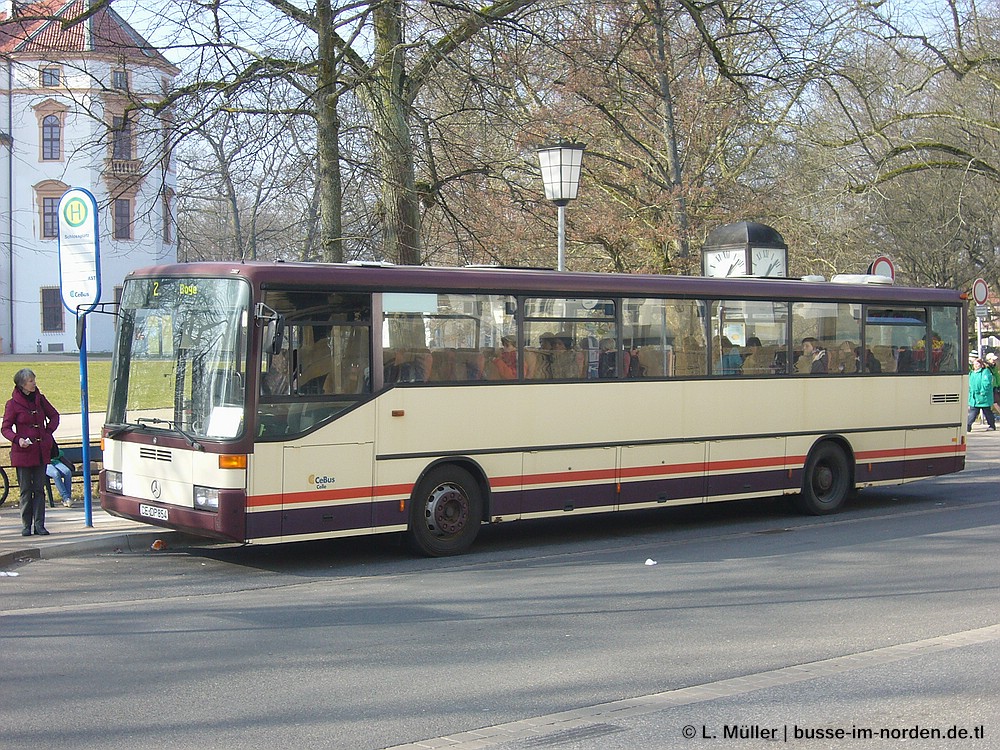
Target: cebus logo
[{"x": 321, "y": 482}]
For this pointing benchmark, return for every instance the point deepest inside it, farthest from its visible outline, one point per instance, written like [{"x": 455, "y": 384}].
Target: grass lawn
[{"x": 60, "y": 382}]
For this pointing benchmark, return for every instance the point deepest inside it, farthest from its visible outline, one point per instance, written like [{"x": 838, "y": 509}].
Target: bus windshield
[{"x": 180, "y": 357}]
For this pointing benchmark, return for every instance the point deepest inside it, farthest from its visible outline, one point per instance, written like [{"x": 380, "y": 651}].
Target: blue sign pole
[{"x": 88, "y": 512}]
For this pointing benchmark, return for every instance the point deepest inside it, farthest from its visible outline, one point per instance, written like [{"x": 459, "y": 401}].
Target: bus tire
[
  {"x": 446, "y": 510},
  {"x": 826, "y": 482}
]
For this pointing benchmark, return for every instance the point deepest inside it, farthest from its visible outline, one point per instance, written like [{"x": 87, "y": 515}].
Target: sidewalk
[
  {"x": 69, "y": 536},
  {"x": 67, "y": 533}
]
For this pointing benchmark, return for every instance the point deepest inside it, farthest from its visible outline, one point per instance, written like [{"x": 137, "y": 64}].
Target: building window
[
  {"x": 50, "y": 218},
  {"x": 121, "y": 138},
  {"x": 119, "y": 80},
  {"x": 50, "y": 77},
  {"x": 123, "y": 219},
  {"x": 51, "y": 138},
  {"x": 52, "y": 310},
  {"x": 47, "y": 195}
]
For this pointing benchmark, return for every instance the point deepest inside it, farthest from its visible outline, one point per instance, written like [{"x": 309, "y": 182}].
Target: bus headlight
[
  {"x": 113, "y": 481},
  {"x": 206, "y": 498}
]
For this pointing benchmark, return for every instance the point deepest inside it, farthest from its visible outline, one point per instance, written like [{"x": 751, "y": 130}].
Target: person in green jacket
[
  {"x": 980, "y": 395},
  {"x": 991, "y": 365}
]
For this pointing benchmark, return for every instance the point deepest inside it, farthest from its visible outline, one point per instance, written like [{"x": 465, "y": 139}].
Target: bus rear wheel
[
  {"x": 446, "y": 510},
  {"x": 827, "y": 480}
]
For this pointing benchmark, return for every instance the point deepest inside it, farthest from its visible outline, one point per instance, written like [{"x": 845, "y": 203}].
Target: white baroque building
[{"x": 74, "y": 112}]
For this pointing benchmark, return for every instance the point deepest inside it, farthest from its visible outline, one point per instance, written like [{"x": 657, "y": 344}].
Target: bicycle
[{"x": 4, "y": 485}]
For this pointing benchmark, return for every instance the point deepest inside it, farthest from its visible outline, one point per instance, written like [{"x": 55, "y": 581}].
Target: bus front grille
[{"x": 156, "y": 454}]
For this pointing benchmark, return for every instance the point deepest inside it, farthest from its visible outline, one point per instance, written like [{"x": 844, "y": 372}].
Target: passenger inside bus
[
  {"x": 847, "y": 359},
  {"x": 607, "y": 362},
  {"x": 538, "y": 362},
  {"x": 753, "y": 360},
  {"x": 729, "y": 360},
  {"x": 813, "y": 359},
  {"x": 504, "y": 365},
  {"x": 567, "y": 362}
]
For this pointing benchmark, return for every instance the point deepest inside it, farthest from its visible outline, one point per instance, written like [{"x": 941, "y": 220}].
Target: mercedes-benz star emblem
[{"x": 154, "y": 487}]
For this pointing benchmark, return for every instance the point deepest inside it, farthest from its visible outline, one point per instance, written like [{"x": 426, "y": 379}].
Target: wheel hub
[
  {"x": 447, "y": 510},
  {"x": 824, "y": 479}
]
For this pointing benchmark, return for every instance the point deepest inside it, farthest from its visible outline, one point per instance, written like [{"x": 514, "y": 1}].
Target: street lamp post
[{"x": 561, "y": 176}]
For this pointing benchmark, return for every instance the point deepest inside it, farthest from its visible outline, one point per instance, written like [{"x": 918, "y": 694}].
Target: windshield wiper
[
  {"x": 175, "y": 426},
  {"x": 121, "y": 430}
]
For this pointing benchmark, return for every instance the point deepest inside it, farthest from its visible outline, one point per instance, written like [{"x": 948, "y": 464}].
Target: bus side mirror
[{"x": 274, "y": 334}]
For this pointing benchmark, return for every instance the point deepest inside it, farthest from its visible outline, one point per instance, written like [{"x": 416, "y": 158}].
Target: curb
[
  {"x": 111, "y": 543},
  {"x": 9, "y": 558}
]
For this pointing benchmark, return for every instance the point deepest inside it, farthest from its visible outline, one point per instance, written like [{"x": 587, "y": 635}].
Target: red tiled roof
[{"x": 42, "y": 31}]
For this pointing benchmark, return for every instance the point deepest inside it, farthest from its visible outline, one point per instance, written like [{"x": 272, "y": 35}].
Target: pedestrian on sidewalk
[
  {"x": 991, "y": 361},
  {"x": 29, "y": 421},
  {"x": 980, "y": 394}
]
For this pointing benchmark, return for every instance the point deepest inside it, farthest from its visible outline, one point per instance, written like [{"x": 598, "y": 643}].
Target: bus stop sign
[{"x": 79, "y": 251}]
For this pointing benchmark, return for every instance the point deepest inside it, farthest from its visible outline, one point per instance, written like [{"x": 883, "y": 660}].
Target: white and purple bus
[{"x": 278, "y": 402}]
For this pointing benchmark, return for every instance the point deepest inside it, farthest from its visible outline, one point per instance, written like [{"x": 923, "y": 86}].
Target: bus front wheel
[
  {"x": 446, "y": 510},
  {"x": 827, "y": 480}
]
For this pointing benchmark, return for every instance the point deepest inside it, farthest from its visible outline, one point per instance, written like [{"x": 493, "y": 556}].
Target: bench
[{"x": 74, "y": 454}]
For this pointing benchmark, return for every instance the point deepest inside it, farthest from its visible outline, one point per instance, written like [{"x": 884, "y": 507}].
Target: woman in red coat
[{"x": 29, "y": 421}]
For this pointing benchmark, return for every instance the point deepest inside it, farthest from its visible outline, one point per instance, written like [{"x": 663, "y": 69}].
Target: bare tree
[{"x": 908, "y": 126}]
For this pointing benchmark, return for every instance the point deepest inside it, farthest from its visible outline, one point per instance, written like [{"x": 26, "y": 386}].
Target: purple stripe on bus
[
  {"x": 505, "y": 503},
  {"x": 387, "y": 513},
  {"x": 932, "y": 467},
  {"x": 678, "y": 488},
  {"x": 760, "y": 481},
  {"x": 327, "y": 519},
  {"x": 568, "y": 498},
  {"x": 264, "y": 525},
  {"x": 879, "y": 472}
]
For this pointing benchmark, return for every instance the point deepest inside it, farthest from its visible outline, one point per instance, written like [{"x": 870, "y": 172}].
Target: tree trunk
[
  {"x": 393, "y": 145},
  {"x": 669, "y": 130},
  {"x": 328, "y": 140}
]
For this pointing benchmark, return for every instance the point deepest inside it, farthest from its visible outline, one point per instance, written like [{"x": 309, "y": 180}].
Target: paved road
[{"x": 753, "y": 619}]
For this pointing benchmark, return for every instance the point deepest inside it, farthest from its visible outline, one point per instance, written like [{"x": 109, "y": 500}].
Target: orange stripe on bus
[
  {"x": 907, "y": 452},
  {"x": 393, "y": 491},
  {"x": 559, "y": 477},
  {"x": 317, "y": 496}
]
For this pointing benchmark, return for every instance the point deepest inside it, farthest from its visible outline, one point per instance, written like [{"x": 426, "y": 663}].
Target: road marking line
[{"x": 602, "y": 713}]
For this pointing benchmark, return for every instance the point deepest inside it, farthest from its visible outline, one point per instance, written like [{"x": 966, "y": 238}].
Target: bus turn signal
[{"x": 233, "y": 461}]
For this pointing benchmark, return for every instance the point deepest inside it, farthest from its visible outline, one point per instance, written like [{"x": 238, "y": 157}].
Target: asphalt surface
[{"x": 877, "y": 628}]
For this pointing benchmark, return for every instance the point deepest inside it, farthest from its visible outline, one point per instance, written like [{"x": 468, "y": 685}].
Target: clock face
[
  {"x": 767, "y": 261},
  {"x": 726, "y": 263}
]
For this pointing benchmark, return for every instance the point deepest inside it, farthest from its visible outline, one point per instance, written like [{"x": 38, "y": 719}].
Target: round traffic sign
[
  {"x": 980, "y": 292},
  {"x": 883, "y": 266}
]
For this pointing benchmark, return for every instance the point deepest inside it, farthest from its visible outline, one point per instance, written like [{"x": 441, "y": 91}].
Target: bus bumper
[{"x": 229, "y": 523}]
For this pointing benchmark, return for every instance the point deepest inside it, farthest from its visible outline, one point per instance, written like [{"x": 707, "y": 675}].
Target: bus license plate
[{"x": 150, "y": 511}]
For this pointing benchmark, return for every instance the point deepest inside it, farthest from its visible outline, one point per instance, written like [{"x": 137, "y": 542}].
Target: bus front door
[{"x": 326, "y": 490}]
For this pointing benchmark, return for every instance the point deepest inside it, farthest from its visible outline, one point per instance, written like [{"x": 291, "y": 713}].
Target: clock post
[{"x": 746, "y": 248}]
